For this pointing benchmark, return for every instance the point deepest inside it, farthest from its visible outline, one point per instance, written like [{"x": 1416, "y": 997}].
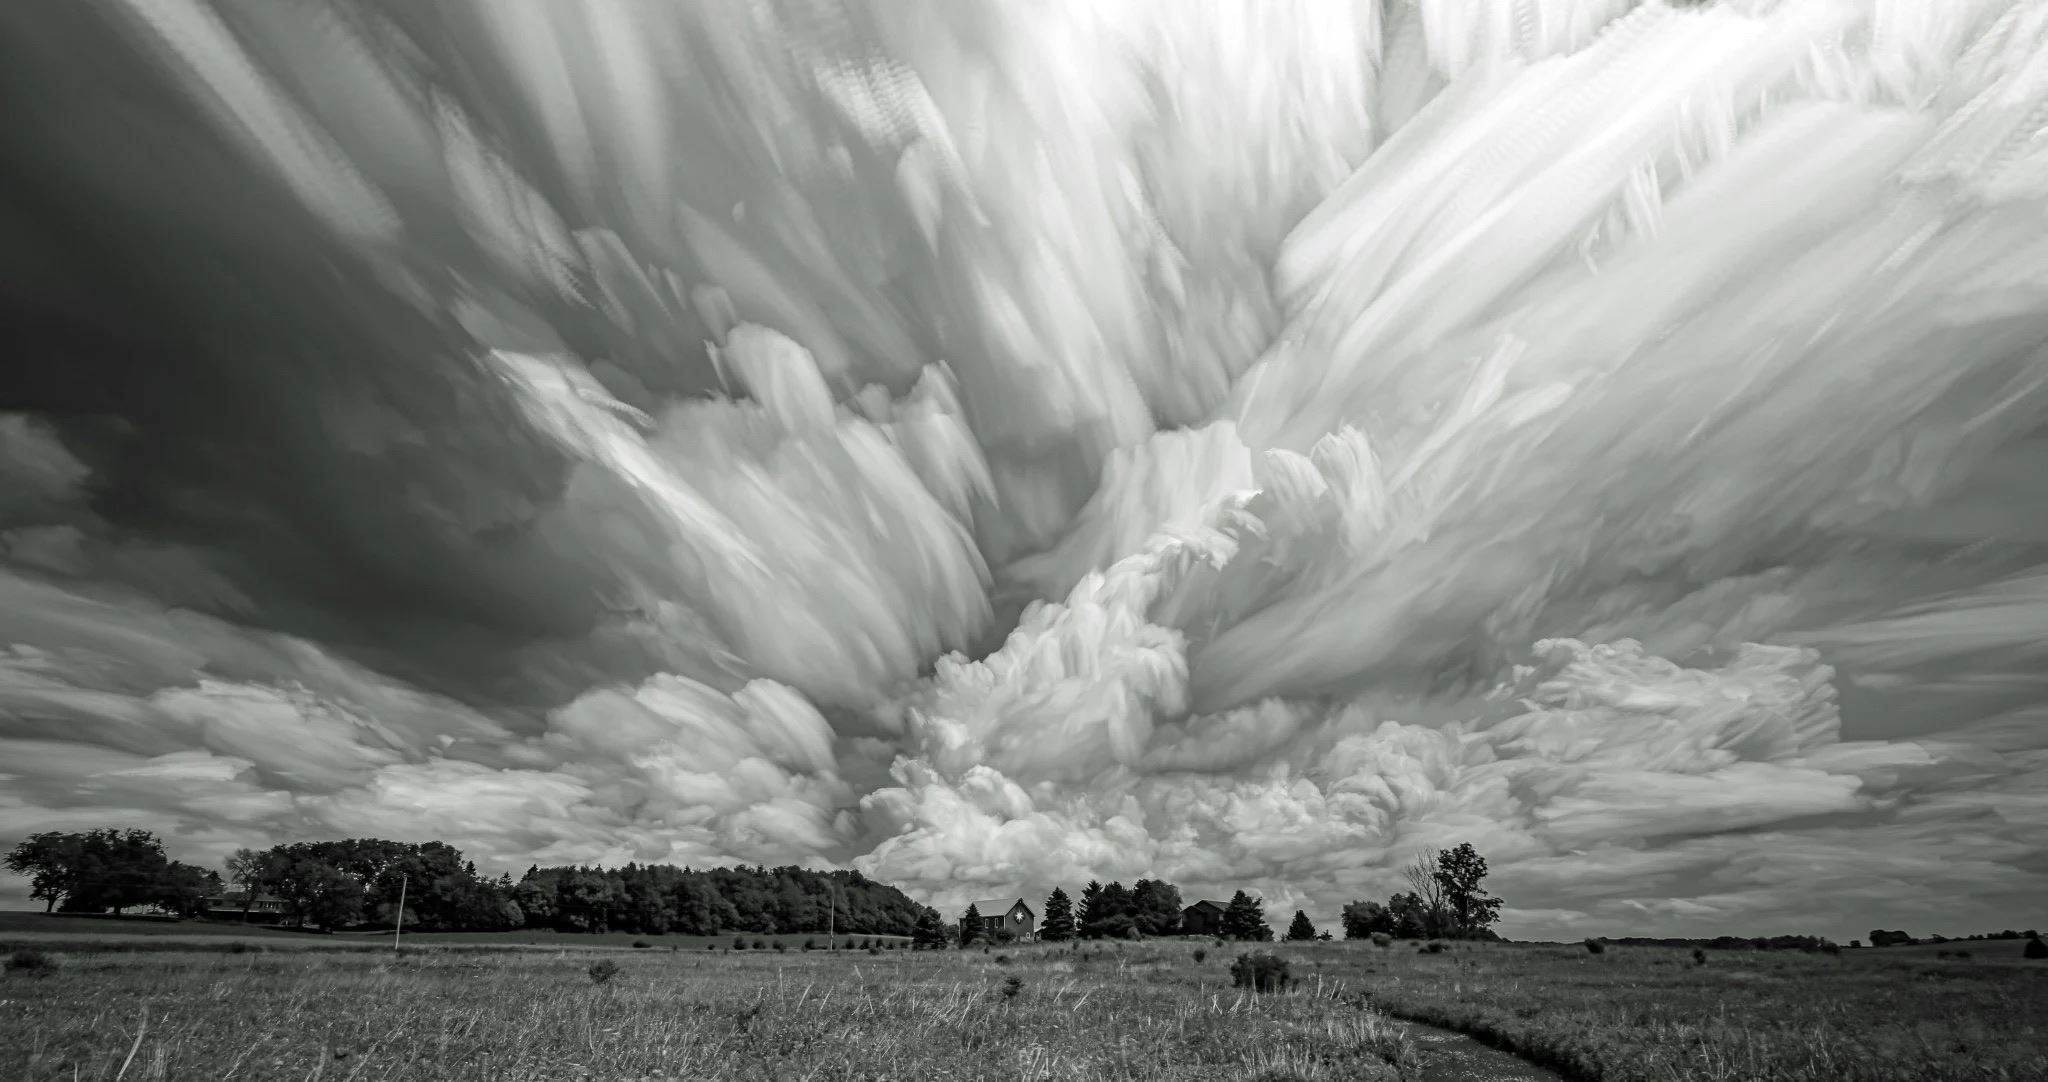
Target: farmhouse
[
  {"x": 228, "y": 906},
  {"x": 1202, "y": 918},
  {"x": 1005, "y": 914}
]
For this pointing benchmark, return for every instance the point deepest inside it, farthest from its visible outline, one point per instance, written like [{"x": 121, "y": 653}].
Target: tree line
[
  {"x": 360, "y": 881},
  {"x": 109, "y": 870}
]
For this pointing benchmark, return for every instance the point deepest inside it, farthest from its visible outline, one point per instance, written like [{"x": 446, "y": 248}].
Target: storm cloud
[{"x": 993, "y": 445}]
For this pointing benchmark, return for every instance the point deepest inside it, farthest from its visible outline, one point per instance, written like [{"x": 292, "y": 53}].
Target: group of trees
[
  {"x": 658, "y": 898},
  {"x": 359, "y": 881},
  {"x": 1445, "y": 900},
  {"x": 109, "y": 870}
]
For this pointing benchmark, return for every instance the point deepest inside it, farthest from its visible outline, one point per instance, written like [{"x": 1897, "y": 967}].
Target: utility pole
[
  {"x": 831, "y": 913},
  {"x": 398, "y": 922}
]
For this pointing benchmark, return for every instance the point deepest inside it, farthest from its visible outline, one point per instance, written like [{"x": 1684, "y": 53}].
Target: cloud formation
[{"x": 992, "y": 447}]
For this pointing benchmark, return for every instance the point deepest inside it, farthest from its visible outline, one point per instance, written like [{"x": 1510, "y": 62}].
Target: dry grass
[
  {"x": 1144, "y": 1011},
  {"x": 523, "y": 1015},
  {"x": 1651, "y": 1013}
]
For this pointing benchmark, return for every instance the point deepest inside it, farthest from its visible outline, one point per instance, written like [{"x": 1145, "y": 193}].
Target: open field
[{"x": 1138, "y": 1011}]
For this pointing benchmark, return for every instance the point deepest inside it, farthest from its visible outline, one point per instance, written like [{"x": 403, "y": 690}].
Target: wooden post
[{"x": 398, "y": 922}]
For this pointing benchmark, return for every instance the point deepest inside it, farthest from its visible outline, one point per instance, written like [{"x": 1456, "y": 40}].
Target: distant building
[
  {"x": 228, "y": 906},
  {"x": 1202, "y": 918},
  {"x": 1005, "y": 914}
]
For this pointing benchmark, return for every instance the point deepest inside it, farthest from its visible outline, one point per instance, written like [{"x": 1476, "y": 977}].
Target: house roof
[
  {"x": 998, "y": 906},
  {"x": 1217, "y": 906}
]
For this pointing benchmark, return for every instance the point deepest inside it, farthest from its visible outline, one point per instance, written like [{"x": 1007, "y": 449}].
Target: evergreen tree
[
  {"x": 1091, "y": 897},
  {"x": 1245, "y": 919},
  {"x": 930, "y": 931},
  {"x": 1301, "y": 930},
  {"x": 970, "y": 925},
  {"x": 1059, "y": 918}
]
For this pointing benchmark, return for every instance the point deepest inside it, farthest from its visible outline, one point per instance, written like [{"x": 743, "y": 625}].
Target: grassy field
[{"x": 1140, "y": 1011}]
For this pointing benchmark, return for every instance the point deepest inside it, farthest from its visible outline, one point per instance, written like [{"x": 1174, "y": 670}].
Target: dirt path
[{"x": 1454, "y": 1057}]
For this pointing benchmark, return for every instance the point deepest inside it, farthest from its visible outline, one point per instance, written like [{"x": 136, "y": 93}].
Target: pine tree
[
  {"x": 970, "y": 925},
  {"x": 930, "y": 931},
  {"x": 1059, "y": 918},
  {"x": 1245, "y": 919},
  {"x": 1301, "y": 930},
  {"x": 1091, "y": 897}
]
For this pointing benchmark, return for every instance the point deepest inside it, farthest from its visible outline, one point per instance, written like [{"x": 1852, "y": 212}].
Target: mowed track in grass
[{"x": 1128, "y": 1011}]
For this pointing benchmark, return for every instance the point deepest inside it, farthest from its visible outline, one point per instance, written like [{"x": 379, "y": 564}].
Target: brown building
[
  {"x": 263, "y": 908},
  {"x": 1202, "y": 918},
  {"x": 1005, "y": 914}
]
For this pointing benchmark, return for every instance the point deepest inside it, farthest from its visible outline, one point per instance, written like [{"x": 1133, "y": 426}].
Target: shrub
[
  {"x": 1831, "y": 947},
  {"x": 738, "y": 943},
  {"x": 1261, "y": 972},
  {"x": 1012, "y": 986},
  {"x": 1382, "y": 940},
  {"x": 810, "y": 944},
  {"x": 781, "y": 946},
  {"x": 1962, "y": 954},
  {"x": 2034, "y": 948},
  {"x": 1433, "y": 947},
  {"x": 1594, "y": 946},
  {"x": 874, "y": 950},
  {"x": 239, "y": 947},
  {"x": 641, "y": 944},
  {"x": 32, "y": 962},
  {"x": 1199, "y": 955},
  {"x": 1699, "y": 957},
  {"x": 760, "y": 944},
  {"x": 603, "y": 970},
  {"x": 1002, "y": 959}
]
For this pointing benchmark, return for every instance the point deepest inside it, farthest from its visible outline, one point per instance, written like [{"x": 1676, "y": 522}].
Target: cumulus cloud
[{"x": 1237, "y": 442}]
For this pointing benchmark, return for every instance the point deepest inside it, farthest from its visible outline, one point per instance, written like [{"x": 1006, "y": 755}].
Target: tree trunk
[{"x": 50, "y": 904}]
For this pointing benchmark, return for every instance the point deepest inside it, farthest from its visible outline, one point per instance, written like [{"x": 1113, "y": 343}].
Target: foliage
[
  {"x": 642, "y": 944},
  {"x": 101, "y": 870},
  {"x": 2034, "y": 949},
  {"x": 1594, "y": 946},
  {"x": 1699, "y": 957},
  {"x": 1058, "y": 925},
  {"x": 1260, "y": 972},
  {"x": 1012, "y": 986},
  {"x": 1300, "y": 930},
  {"x": 1445, "y": 900},
  {"x": 602, "y": 971},
  {"x": 1245, "y": 919},
  {"x": 1155, "y": 907},
  {"x": 971, "y": 929},
  {"x": 1199, "y": 955},
  {"x": 1382, "y": 940},
  {"x": 928, "y": 932},
  {"x": 31, "y": 962},
  {"x": 1460, "y": 871}
]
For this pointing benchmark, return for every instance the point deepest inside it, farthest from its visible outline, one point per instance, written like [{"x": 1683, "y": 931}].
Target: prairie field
[{"x": 1151, "y": 1010}]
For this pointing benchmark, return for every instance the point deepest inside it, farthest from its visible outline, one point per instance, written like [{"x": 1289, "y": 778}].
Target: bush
[
  {"x": 781, "y": 946},
  {"x": 1382, "y": 940},
  {"x": 874, "y": 950},
  {"x": 760, "y": 944},
  {"x": 641, "y": 944},
  {"x": 603, "y": 970},
  {"x": 810, "y": 944},
  {"x": 1199, "y": 955},
  {"x": 1261, "y": 972},
  {"x": 1433, "y": 947},
  {"x": 1831, "y": 947},
  {"x": 1699, "y": 957},
  {"x": 2034, "y": 948},
  {"x": 31, "y": 962},
  {"x": 1594, "y": 946},
  {"x": 239, "y": 947},
  {"x": 1002, "y": 959},
  {"x": 738, "y": 943},
  {"x": 1012, "y": 986}
]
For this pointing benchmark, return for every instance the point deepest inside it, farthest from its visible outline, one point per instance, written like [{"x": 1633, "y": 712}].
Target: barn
[
  {"x": 1005, "y": 914},
  {"x": 1202, "y": 918}
]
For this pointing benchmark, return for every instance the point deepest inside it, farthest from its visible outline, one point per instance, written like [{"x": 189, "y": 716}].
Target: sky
[{"x": 992, "y": 446}]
